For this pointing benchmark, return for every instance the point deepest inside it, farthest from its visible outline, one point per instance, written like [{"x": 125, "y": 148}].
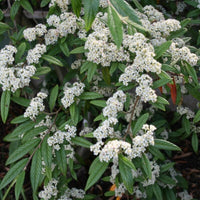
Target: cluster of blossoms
[
  {"x": 62, "y": 4},
  {"x": 35, "y": 54},
  {"x": 185, "y": 110},
  {"x": 60, "y": 136},
  {"x": 36, "y": 106},
  {"x": 71, "y": 92},
  {"x": 76, "y": 64},
  {"x": 183, "y": 54},
  {"x": 31, "y": 34},
  {"x": 13, "y": 77},
  {"x": 184, "y": 195},
  {"x": 50, "y": 190},
  {"x": 74, "y": 193},
  {"x": 101, "y": 49}
]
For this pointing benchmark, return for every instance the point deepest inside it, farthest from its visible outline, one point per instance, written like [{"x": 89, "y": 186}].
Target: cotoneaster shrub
[{"x": 107, "y": 70}]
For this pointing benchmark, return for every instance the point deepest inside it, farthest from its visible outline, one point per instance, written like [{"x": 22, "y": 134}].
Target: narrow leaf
[
  {"x": 52, "y": 60},
  {"x": 74, "y": 112},
  {"x": 19, "y": 184},
  {"x": 53, "y": 97},
  {"x": 161, "y": 49},
  {"x": 76, "y": 6},
  {"x": 197, "y": 117},
  {"x": 90, "y": 95},
  {"x": 21, "y": 101},
  {"x": 14, "y": 9},
  {"x": 5, "y": 103},
  {"x": 157, "y": 191},
  {"x": 163, "y": 144},
  {"x": 81, "y": 142},
  {"x": 195, "y": 143},
  {"x": 42, "y": 70},
  {"x": 91, "y": 71},
  {"x": 78, "y": 50},
  {"x": 100, "y": 103},
  {"x": 26, "y": 5},
  {"x": 20, "y": 52},
  {"x": 146, "y": 166}
]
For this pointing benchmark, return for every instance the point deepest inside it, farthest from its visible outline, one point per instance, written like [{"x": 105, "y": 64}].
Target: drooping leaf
[
  {"x": 26, "y": 5},
  {"x": 42, "y": 70},
  {"x": 74, "y": 112},
  {"x": 195, "y": 143},
  {"x": 20, "y": 52},
  {"x": 21, "y": 101},
  {"x": 146, "y": 166},
  {"x": 19, "y": 119},
  {"x": 166, "y": 167},
  {"x": 157, "y": 191},
  {"x": 163, "y": 144},
  {"x": 100, "y": 103},
  {"x": 98, "y": 168},
  {"x": 90, "y": 10},
  {"x": 78, "y": 50},
  {"x": 22, "y": 150},
  {"x": 140, "y": 122},
  {"x": 91, "y": 71},
  {"x": 52, "y": 60},
  {"x": 14, "y": 9},
  {"x": 115, "y": 26},
  {"x": 53, "y": 97},
  {"x": 5, "y": 103},
  {"x": 19, "y": 184},
  {"x": 162, "y": 49},
  {"x": 126, "y": 175},
  {"x": 13, "y": 172},
  {"x": 36, "y": 169}
]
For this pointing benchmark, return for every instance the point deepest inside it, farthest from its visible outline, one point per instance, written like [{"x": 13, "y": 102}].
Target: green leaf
[
  {"x": 53, "y": 97},
  {"x": 156, "y": 153},
  {"x": 46, "y": 152},
  {"x": 170, "y": 68},
  {"x": 194, "y": 13},
  {"x": 26, "y": 5},
  {"x": 52, "y": 60},
  {"x": 91, "y": 8},
  {"x": 62, "y": 160},
  {"x": 14, "y": 9},
  {"x": 193, "y": 91},
  {"x": 125, "y": 10},
  {"x": 106, "y": 75},
  {"x": 146, "y": 166},
  {"x": 161, "y": 49},
  {"x": 166, "y": 179},
  {"x": 15, "y": 135},
  {"x": 161, "y": 82},
  {"x": 192, "y": 72},
  {"x": 20, "y": 52},
  {"x": 115, "y": 26},
  {"x": 162, "y": 100},
  {"x": 166, "y": 167},
  {"x": 170, "y": 195},
  {"x": 64, "y": 48},
  {"x": 76, "y": 6},
  {"x": 185, "y": 22},
  {"x": 36, "y": 169},
  {"x": 140, "y": 122},
  {"x": 197, "y": 117},
  {"x": 42, "y": 70},
  {"x": 19, "y": 119},
  {"x": 19, "y": 184},
  {"x": 74, "y": 112},
  {"x": 86, "y": 65},
  {"x": 157, "y": 191},
  {"x": 126, "y": 175},
  {"x": 71, "y": 168},
  {"x": 78, "y": 50},
  {"x": 5, "y": 103},
  {"x": 100, "y": 103},
  {"x": 113, "y": 68},
  {"x": 138, "y": 5},
  {"x": 13, "y": 172},
  {"x": 96, "y": 170},
  {"x": 127, "y": 162},
  {"x": 21, "y": 101},
  {"x": 44, "y": 3},
  {"x": 186, "y": 125},
  {"x": 81, "y": 142},
  {"x": 3, "y": 27},
  {"x": 90, "y": 95},
  {"x": 22, "y": 150},
  {"x": 163, "y": 144},
  {"x": 195, "y": 143},
  {"x": 91, "y": 71},
  {"x": 33, "y": 133}
]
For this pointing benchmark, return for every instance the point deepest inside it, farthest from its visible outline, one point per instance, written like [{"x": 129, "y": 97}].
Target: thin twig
[
  {"x": 131, "y": 118},
  {"x": 49, "y": 130}
]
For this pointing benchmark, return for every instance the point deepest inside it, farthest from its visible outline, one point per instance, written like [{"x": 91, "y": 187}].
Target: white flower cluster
[
  {"x": 183, "y": 54},
  {"x": 120, "y": 190},
  {"x": 31, "y": 34},
  {"x": 184, "y": 195},
  {"x": 50, "y": 190},
  {"x": 76, "y": 64},
  {"x": 155, "y": 168},
  {"x": 12, "y": 78},
  {"x": 36, "y": 106},
  {"x": 74, "y": 193},
  {"x": 71, "y": 92},
  {"x": 138, "y": 193},
  {"x": 103, "y": 3},
  {"x": 180, "y": 7},
  {"x": 64, "y": 24},
  {"x": 35, "y": 54},
  {"x": 101, "y": 48},
  {"x": 62, "y": 4},
  {"x": 144, "y": 90},
  {"x": 60, "y": 136},
  {"x": 185, "y": 110},
  {"x": 159, "y": 28}
]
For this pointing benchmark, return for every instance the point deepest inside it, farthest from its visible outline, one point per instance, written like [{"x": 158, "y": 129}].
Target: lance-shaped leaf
[
  {"x": 163, "y": 144},
  {"x": 90, "y": 10},
  {"x": 96, "y": 170},
  {"x": 115, "y": 26},
  {"x": 166, "y": 167},
  {"x": 197, "y": 117},
  {"x": 53, "y": 97},
  {"x": 81, "y": 142},
  {"x": 140, "y": 122},
  {"x": 157, "y": 191},
  {"x": 52, "y": 60},
  {"x": 3, "y": 27},
  {"x": 76, "y": 6},
  {"x": 20, "y": 52},
  {"x": 14, "y": 9},
  {"x": 13, "y": 172},
  {"x": 26, "y": 5},
  {"x": 162, "y": 49},
  {"x": 5, "y": 103},
  {"x": 44, "y": 3},
  {"x": 195, "y": 143},
  {"x": 146, "y": 166},
  {"x": 91, "y": 71},
  {"x": 78, "y": 50},
  {"x": 126, "y": 175},
  {"x": 19, "y": 119},
  {"x": 90, "y": 95},
  {"x": 74, "y": 112},
  {"x": 186, "y": 125},
  {"x": 19, "y": 184},
  {"x": 21, "y": 101},
  {"x": 100, "y": 103},
  {"x": 36, "y": 169},
  {"x": 22, "y": 150},
  {"x": 42, "y": 70}
]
